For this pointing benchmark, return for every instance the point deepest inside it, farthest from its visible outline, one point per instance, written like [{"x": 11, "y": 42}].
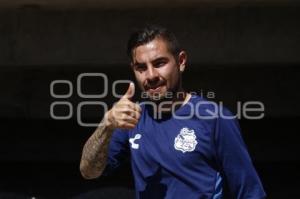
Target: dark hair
[{"x": 149, "y": 33}]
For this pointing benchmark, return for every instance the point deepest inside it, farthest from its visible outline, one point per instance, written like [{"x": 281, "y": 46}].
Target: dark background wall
[{"x": 241, "y": 52}]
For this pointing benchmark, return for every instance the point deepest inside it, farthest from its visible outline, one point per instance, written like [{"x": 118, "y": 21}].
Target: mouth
[{"x": 154, "y": 89}]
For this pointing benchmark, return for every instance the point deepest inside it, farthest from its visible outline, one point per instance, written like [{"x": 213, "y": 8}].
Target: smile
[{"x": 153, "y": 90}]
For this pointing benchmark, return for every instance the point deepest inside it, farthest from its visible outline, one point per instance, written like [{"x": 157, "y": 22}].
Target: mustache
[{"x": 154, "y": 85}]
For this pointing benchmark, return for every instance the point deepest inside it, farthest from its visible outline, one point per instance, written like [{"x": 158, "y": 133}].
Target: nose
[{"x": 152, "y": 74}]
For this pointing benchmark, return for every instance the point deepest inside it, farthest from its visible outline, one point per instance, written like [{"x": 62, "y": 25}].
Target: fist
[{"x": 125, "y": 114}]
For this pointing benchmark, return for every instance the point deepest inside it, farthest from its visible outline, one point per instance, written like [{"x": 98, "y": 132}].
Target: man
[{"x": 177, "y": 149}]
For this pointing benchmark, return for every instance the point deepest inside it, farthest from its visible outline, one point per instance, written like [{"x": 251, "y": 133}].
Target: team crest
[{"x": 185, "y": 141}]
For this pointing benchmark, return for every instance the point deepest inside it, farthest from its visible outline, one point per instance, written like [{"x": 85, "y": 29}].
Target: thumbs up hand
[
  {"x": 130, "y": 91},
  {"x": 124, "y": 114}
]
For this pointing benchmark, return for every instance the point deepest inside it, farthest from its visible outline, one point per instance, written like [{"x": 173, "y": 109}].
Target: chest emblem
[
  {"x": 132, "y": 141},
  {"x": 185, "y": 141}
]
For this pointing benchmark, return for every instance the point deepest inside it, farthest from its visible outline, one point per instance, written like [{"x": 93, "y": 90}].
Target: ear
[{"x": 182, "y": 59}]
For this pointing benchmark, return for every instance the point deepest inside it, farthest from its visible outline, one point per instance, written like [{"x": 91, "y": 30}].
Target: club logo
[{"x": 185, "y": 141}]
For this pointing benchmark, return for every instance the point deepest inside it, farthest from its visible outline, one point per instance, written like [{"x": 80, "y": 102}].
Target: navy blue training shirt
[{"x": 187, "y": 155}]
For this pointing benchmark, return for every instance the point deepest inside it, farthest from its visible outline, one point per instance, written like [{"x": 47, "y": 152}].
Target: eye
[
  {"x": 160, "y": 63},
  {"x": 140, "y": 67}
]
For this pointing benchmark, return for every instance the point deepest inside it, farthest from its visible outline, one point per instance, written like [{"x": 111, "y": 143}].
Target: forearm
[
  {"x": 123, "y": 115},
  {"x": 95, "y": 151}
]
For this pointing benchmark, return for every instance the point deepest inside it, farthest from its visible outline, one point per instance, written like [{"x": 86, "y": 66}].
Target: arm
[
  {"x": 95, "y": 152},
  {"x": 235, "y": 162},
  {"x": 123, "y": 115}
]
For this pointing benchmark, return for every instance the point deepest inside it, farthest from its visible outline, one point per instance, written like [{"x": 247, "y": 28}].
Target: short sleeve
[
  {"x": 234, "y": 160},
  {"x": 118, "y": 150}
]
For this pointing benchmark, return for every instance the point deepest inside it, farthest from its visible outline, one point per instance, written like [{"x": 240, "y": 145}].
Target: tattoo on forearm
[{"x": 95, "y": 151}]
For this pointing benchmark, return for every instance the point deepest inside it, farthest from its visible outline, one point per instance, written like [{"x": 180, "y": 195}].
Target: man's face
[{"x": 156, "y": 69}]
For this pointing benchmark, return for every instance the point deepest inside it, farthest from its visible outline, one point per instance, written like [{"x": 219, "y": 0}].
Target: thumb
[{"x": 130, "y": 91}]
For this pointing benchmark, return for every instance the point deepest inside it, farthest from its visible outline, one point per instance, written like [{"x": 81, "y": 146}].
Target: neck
[{"x": 181, "y": 97}]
